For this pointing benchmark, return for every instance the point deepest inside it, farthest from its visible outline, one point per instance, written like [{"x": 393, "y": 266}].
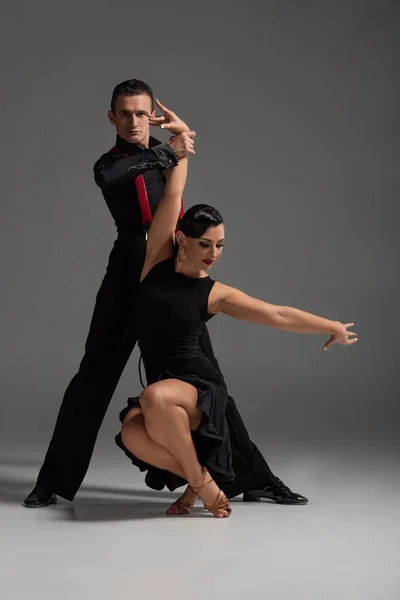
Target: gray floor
[{"x": 114, "y": 542}]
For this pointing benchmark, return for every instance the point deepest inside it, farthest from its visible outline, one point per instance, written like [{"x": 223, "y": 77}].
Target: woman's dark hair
[
  {"x": 198, "y": 218},
  {"x": 131, "y": 87}
]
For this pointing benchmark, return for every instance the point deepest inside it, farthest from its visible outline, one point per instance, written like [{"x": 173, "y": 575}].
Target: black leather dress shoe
[
  {"x": 39, "y": 497},
  {"x": 275, "y": 490}
]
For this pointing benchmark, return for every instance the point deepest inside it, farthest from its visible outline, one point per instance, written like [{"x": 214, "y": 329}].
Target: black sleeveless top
[{"x": 171, "y": 310}]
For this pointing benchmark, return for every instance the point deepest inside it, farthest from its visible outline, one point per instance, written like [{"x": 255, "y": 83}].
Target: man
[{"x": 131, "y": 177}]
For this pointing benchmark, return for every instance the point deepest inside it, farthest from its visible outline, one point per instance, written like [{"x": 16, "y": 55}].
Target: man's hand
[
  {"x": 182, "y": 144},
  {"x": 169, "y": 120}
]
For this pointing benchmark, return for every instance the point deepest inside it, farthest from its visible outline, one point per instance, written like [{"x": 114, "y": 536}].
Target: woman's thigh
[{"x": 173, "y": 392}]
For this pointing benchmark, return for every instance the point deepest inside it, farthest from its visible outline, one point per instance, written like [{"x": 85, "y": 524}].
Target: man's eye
[{"x": 142, "y": 114}]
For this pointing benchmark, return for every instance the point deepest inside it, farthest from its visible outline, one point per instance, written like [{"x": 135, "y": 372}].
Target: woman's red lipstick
[{"x": 208, "y": 262}]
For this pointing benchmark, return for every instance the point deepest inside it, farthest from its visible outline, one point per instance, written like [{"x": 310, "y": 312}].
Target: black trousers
[{"x": 110, "y": 342}]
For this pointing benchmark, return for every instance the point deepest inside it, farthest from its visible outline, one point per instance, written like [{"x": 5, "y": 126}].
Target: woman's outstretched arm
[
  {"x": 162, "y": 229},
  {"x": 232, "y": 302}
]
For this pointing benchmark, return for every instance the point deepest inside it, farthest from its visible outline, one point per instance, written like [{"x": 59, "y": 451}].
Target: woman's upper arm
[
  {"x": 162, "y": 229},
  {"x": 237, "y": 304},
  {"x": 154, "y": 257}
]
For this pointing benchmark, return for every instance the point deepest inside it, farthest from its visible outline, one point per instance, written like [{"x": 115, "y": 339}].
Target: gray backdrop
[{"x": 295, "y": 107}]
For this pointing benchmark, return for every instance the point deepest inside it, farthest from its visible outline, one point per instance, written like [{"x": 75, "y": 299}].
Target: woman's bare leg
[
  {"x": 170, "y": 412},
  {"x": 138, "y": 441}
]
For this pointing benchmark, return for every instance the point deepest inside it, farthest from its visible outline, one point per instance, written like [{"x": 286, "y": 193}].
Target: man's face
[{"x": 131, "y": 118}]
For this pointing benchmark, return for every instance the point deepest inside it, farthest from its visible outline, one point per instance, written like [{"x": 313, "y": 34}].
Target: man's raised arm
[{"x": 114, "y": 167}]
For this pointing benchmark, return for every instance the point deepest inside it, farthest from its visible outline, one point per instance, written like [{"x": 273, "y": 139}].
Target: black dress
[{"x": 173, "y": 309}]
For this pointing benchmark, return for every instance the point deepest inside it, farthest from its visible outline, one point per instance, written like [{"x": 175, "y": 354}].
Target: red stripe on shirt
[
  {"x": 142, "y": 195},
  {"x": 143, "y": 200}
]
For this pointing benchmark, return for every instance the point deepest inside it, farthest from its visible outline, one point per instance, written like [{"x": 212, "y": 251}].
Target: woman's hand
[
  {"x": 183, "y": 143},
  {"x": 169, "y": 120},
  {"x": 343, "y": 337}
]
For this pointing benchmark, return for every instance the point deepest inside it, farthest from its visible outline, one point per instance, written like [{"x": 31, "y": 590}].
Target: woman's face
[{"x": 201, "y": 253}]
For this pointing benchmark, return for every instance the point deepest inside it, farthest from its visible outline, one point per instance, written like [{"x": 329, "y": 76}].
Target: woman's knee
[{"x": 153, "y": 398}]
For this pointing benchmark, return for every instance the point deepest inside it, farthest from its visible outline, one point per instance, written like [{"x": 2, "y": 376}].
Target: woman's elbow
[{"x": 278, "y": 317}]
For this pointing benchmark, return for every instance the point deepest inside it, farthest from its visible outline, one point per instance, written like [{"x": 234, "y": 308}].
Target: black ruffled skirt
[{"x": 211, "y": 438}]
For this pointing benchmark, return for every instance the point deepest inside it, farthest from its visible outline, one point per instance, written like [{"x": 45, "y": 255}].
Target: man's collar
[{"x": 130, "y": 149}]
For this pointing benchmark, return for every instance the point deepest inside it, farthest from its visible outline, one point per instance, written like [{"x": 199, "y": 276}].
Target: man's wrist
[{"x": 166, "y": 154}]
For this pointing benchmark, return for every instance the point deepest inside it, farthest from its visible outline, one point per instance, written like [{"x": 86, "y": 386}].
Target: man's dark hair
[
  {"x": 131, "y": 87},
  {"x": 198, "y": 218}
]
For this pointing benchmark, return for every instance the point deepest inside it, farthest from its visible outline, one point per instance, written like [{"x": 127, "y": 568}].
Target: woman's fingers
[
  {"x": 157, "y": 120},
  {"x": 329, "y": 343},
  {"x": 163, "y": 108},
  {"x": 161, "y": 120},
  {"x": 351, "y": 341},
  {"x": 345, "y": 342},
  {"x": 156, "y": 123}
]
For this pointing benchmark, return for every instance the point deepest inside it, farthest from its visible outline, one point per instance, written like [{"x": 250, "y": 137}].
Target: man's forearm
[{"x": 109, "y": 172}]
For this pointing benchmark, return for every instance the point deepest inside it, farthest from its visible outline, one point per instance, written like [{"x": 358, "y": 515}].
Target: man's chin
[{"x": 134, "y": 139}]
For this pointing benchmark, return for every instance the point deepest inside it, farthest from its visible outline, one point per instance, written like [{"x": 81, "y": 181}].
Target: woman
[{"x": 178, "y": 424}]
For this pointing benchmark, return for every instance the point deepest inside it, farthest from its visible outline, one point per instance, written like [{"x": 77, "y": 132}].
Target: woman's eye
[
  {"x": 204, "y": 245},
  {"x": 220, "y": 245}
]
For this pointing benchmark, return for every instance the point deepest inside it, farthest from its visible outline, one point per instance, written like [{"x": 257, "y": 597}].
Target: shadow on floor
[
  {"x": 13, "y": 489},
  {"x": 16, "y": 488},
  {"x": 89, "y": 506},
  {"x": 118, "y": 510}
]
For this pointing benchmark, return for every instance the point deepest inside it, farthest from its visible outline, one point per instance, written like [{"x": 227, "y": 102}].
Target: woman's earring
[{"x": 179, "y": 254}]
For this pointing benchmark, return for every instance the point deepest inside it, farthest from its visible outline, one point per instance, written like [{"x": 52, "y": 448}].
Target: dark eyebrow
[
  {"x": 208, "y": 240},
  {"x": 125, "y": 110}
]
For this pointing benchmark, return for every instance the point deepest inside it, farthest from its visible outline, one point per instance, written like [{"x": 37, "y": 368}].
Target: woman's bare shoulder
[{"x": 219, "y": 293}]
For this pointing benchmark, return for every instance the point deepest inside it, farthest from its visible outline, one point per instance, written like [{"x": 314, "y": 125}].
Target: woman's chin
[{"x": 207, "y": 264}]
